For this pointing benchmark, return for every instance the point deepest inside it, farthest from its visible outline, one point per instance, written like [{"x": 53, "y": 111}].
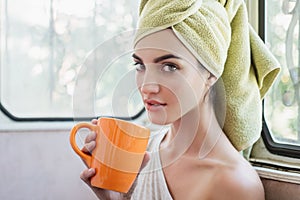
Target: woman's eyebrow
[
  {"x": 164, "y": 57},
  {"x": 136, "y": 57},
  {"x": 158, "y": 59}
]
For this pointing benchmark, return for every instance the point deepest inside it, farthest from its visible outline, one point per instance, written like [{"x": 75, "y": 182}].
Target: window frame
[
  {"x": 14, "y": 117},
  {"x": 61, "y": 119},
  {"x": 280, "y": 149}
]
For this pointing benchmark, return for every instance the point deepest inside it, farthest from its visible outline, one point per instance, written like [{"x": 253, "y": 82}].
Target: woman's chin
[{"x": 158, "y": 120}]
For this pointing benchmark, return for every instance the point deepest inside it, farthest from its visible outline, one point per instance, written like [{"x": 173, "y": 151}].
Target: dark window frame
[
  {"x": 61, "y": 119},
  {"x": 288, "y": 150},
  {"x": 16, "y": 118}
]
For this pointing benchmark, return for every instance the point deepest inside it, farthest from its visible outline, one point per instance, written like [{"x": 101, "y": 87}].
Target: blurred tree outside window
[{"x": 46, "y": 45}]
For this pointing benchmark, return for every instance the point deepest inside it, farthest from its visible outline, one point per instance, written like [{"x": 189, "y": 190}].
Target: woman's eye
[
  {"x": 139, "y": 66},
  {"x": 168, "y": 67}
]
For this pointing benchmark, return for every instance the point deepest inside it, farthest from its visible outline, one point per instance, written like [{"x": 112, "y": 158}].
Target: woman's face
[{"x": 168, "y": 77}]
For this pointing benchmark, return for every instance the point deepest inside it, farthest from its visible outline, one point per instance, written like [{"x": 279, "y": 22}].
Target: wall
[{"x": 39, "y": 165}]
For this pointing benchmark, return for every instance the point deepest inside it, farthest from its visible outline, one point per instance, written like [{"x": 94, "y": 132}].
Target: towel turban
[{"x": 218, "y": 34}]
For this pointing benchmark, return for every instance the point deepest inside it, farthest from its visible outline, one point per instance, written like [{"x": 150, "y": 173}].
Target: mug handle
[{"x": 86, "y": 157}]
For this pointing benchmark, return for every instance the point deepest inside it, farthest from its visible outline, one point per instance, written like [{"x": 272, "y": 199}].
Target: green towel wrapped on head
[{"x": 218, "y": 34}]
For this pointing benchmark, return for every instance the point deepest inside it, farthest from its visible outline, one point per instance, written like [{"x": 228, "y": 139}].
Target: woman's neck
[{"x": 195, "y": 134}]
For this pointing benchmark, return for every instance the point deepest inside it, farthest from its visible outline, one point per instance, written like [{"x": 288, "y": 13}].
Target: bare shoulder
[{"x": 239, "y": 181}]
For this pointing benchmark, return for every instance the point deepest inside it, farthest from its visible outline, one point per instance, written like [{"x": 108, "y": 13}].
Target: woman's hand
[{"x": 87, "y": 174}]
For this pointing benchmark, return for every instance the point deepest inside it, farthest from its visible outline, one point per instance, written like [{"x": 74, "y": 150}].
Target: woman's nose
[
  {"x": 148, "y": 80},
  {"x": 150, "y": 87}
]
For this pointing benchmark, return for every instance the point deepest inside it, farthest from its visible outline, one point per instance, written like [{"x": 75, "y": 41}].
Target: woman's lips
[{"x": 153, "y": 105}]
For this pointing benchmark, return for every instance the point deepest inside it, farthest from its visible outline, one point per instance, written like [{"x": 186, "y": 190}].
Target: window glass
[
  {"x": 282, "y": 103},
  {"x": 48, "y": 49}
]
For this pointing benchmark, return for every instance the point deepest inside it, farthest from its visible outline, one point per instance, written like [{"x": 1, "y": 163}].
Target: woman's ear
[{"x": 211, "y": 80}]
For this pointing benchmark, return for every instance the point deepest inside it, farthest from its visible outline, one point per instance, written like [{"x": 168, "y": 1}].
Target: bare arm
[{"x": 240, "y": 187}]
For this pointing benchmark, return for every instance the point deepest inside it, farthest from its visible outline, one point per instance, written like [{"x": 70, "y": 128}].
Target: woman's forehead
[{"x": 163, "y": 42}]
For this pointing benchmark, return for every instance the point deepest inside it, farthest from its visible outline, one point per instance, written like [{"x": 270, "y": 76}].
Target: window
[
  {"x": 48, "y": 48},
  {"x": 281, "y": 105}
]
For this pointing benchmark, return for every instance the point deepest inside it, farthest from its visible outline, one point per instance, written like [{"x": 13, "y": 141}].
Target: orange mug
[{"x": 118, "y": 155}]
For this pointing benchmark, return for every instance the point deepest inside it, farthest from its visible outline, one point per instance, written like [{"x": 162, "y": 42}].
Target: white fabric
[{"x": 151, "y": 183}]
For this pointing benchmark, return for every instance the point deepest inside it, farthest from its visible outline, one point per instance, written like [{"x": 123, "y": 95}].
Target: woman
[{"x": 177, "y": 74}]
